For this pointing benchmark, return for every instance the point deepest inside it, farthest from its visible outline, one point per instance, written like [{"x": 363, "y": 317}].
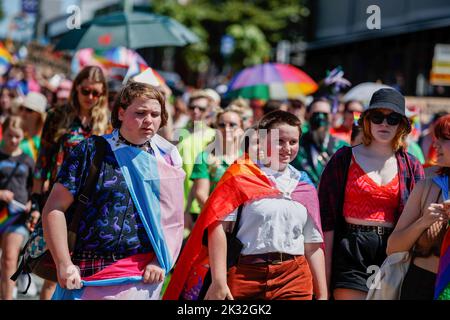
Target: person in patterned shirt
[
  {"x": 66, "y": 126},
  {"x": 113, "y": 229}
]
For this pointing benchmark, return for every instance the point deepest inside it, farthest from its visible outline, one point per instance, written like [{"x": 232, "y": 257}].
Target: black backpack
[{"x": 36, "y": 257}]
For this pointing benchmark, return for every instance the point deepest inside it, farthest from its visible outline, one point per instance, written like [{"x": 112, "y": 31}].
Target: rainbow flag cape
[
  {"x": 242, "y": 182},
  {"x": 442, "y": 288},
  {"x": 155, "y": 182}
]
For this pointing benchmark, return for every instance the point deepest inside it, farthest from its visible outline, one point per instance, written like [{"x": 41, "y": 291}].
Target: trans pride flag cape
[
  {"x": 155, "y": 182},
  {"x": 442, "y": 289},
  {"x": 243, "y": 182}
]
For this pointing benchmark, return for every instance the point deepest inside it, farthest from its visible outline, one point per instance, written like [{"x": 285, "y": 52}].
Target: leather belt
[
  {"x": 266, "y": 258},
  {"x": 93, "y": 255},
  {"x": 380, "y": 230}
]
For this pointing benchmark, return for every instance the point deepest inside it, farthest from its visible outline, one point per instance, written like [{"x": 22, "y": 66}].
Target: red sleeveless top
[{"x": 366, "y": 200}]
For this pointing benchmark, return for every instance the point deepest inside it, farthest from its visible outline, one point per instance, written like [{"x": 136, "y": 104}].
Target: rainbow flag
[
  {"x": 10, "y": 213},
  {"x": 155, "y": 182},
  {"x": 442, "y": 288},
  {"x": 356, "y": 116},
  {"x": 242, "y": 182},
  {"x": 5, "y": 59},
  {"x": 442, "y": 291}
]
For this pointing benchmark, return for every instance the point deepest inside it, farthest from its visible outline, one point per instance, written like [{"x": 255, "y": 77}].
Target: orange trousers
[{"x": 290, "y": 280}]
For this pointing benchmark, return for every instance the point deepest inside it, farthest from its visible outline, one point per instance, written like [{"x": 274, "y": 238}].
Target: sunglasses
[
  {"x": 195, "y": 106},
  {"x": 87, "y": 92},
  {"x": 392, "y": 118},
  {"x": 223, "y": 125},
  {"x": 25, "y": 109}
]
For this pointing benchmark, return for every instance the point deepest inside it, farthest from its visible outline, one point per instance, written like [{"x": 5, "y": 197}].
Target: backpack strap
[{"x": 87, "y": 191}]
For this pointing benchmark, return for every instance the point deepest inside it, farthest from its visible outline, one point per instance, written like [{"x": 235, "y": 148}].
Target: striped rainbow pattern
[
  {"x": 271, "y": 81},
  {"x": 442, "y": 291},
  {"x": 5, "y": 59},
  {"x": 442, "y": 287},
  {"x": 156, "y": 188}
]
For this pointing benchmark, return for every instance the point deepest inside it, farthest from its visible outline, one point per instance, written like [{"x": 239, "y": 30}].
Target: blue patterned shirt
[{"x": 111, "y": 223}]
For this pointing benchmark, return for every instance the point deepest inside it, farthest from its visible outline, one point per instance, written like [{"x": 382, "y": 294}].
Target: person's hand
[
  {"x": 435, "y": 212},
  {"x": 6, "y": 196},
  {"x": 153, "y": 273},
  {"x": 218, "y": 291},
  {"x": 69, "y": 276},
  {"x": 447, "y": 208},
  {"x": 32, "y": 220},
  {"x": 188, "y": 221}
]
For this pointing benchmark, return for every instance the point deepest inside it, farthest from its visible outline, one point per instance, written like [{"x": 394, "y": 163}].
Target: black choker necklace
[{"x": 128, "y": 143}]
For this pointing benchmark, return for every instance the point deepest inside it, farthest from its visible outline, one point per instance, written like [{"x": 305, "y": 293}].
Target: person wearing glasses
[
  {"x": 317, "y": 145},
  {"x": 33, "y": 111},
  {"x": 344, "y": 131},
  {"x": 85, "y": 114},
  {"x": 193, "y": 140},
  {"x": 362, "y": 193},
  {"x": 210, "y": 165}
]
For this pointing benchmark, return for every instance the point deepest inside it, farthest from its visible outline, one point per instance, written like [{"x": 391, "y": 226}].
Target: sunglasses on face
[
  {"x": 232, "y": 125},
  {"x": 195, "y": 106},
  {"x": 25, "y": 109},
  {"x": 86, "y": 92},
  {"x": 392, "y": 118}
]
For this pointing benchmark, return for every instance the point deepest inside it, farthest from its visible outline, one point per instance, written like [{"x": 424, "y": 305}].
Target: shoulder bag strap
[
  {"x": 88, "y": 189},
  {"x": 8, "y": 180}
]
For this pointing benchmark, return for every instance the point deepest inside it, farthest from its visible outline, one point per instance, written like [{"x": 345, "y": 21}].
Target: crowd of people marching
[{"x": 140, "y": 194}]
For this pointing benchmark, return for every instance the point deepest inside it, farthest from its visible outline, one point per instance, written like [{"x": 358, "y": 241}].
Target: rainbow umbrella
[{"x": 271, "y": 81}]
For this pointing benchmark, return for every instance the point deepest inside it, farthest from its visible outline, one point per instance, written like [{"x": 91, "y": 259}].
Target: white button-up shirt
[{"x": 276, "y": 224}]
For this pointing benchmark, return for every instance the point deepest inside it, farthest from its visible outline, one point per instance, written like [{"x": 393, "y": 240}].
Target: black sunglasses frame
[
  {"x": 86, "y": 92},
  {"x": 392, "y": 118}
]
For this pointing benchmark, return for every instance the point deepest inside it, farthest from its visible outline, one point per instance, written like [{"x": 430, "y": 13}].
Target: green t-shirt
[
  {"x": 31, "y": 146},
  {"x": 208, "y": 167},
  {"x": 416, "y": 151},
  {"x": 189, "y": 148}
]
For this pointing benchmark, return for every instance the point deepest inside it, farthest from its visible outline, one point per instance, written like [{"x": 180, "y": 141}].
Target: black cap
[{"x": 387, "y": 98}]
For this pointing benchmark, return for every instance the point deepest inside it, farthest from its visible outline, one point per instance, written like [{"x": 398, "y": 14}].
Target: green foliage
[
  {"x": 251, "y": 46},
  {"x": 256, "y": 25}
]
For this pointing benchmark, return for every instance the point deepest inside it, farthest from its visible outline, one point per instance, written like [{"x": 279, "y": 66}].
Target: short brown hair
[
  {"x": 399, "y": 140},
  {"x": 135, "y": 90},
  {"x": 278, "y": 117},
  {"x": 442, "y": 131}
]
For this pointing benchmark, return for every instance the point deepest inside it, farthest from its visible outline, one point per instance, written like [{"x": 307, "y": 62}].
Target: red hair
[{"x": 442, "y": 131}]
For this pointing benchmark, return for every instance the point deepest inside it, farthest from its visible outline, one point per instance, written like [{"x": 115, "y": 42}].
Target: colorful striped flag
[
  {"x": 242, "y": 182},
  {"x": 155, "y": 183},
  {"x": 442, "y": 288},
  {"x": 5, "y": 59}
]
